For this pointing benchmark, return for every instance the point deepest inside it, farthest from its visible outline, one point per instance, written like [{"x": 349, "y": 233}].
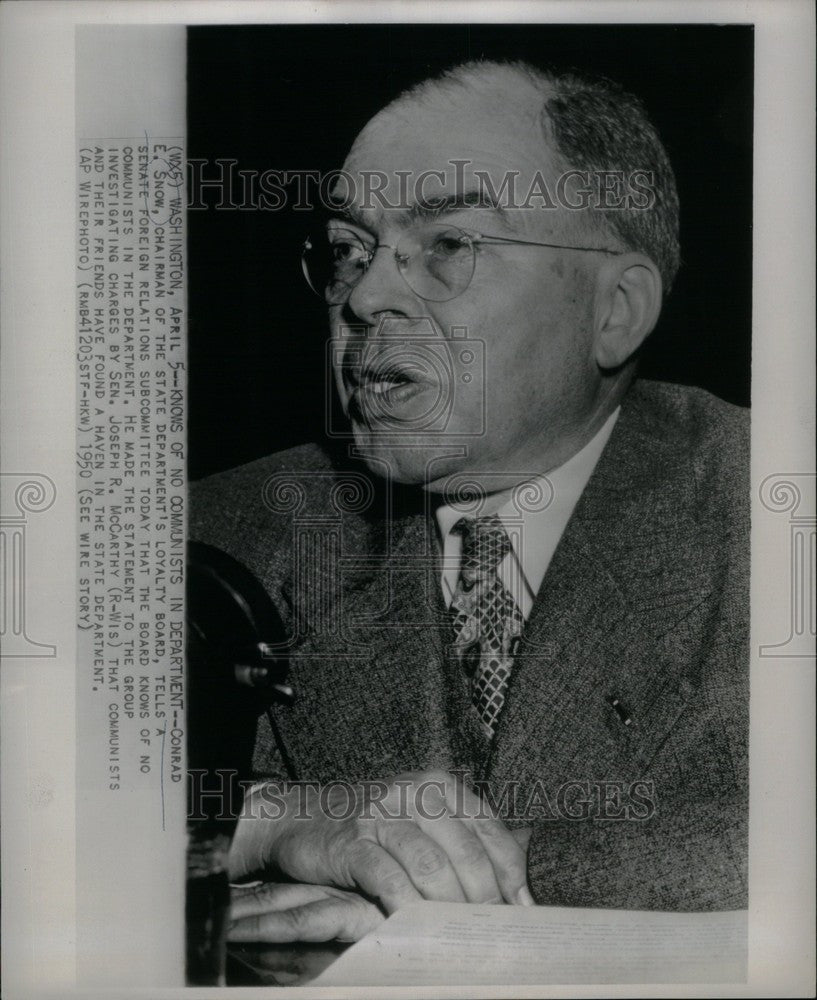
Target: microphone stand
[{"x": 236, "y": 671}]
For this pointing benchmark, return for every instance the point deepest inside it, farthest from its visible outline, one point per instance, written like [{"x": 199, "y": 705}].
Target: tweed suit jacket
[{"x": 623, "y": 738}]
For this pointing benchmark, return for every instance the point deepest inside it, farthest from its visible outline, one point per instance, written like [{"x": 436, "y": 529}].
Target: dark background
[{"x": 293, "y": 97}]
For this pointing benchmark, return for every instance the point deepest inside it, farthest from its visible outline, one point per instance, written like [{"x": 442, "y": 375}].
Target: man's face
[{"x": 501, "y": 379}]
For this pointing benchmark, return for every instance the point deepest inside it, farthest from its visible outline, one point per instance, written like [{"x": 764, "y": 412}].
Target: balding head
[{"x": 587, "y": 128}]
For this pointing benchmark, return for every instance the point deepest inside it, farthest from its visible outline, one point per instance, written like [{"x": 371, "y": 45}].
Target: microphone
[
  {"x": 230, "y": 615},
  {"x": 236, "y": 665}
]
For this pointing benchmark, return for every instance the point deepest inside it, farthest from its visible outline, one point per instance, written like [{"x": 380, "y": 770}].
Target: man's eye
[
  {"x": 450, "y": 246},
  {"x": 343, "y": 252}
]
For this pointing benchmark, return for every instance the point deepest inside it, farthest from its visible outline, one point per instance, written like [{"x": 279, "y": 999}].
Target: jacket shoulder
[
  {"x": 693, "y": 436},
  {"x": 688, "y": 416},
  {"x": 247, "y": 511}
]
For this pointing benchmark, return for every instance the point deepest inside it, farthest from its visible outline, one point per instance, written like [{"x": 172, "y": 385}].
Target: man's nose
[{"x": 381, "y": 289}]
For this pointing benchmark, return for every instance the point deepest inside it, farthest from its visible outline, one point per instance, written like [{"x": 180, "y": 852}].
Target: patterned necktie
[{"x": 487, "y": 619}]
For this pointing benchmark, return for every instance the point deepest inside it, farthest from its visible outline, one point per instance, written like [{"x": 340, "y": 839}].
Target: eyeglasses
[{"x": 436, "y": 261}]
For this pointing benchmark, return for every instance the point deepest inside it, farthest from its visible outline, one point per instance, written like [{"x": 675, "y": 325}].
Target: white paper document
[{"x": 429, "y": 943}]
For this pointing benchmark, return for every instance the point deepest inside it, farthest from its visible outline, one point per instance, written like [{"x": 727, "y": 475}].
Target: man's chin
[{"x": 411, "y": 459}]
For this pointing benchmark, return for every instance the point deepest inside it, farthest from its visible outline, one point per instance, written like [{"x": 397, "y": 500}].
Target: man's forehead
[
  {"x": 427, "y": 133},
  {"x": 443, "y": 154}
]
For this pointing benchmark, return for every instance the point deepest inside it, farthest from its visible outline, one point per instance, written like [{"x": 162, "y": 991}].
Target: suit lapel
[
  {"x": 403, "y": 614},
  {"x": 378, "y": 691},
  {"x": 626, "y": 572}
]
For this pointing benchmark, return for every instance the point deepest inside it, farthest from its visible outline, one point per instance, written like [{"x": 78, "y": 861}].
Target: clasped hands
[{"x": 334, "y": 860}]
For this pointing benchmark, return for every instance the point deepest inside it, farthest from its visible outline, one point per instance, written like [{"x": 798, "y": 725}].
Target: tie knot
[{"x": 485, "y": 544}]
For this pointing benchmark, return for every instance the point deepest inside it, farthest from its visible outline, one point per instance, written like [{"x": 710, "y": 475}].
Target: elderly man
[{"x": 517, "y": 597}]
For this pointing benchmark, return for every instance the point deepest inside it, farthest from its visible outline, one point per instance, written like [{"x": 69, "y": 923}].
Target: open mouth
[
  {"x": 377, "y": 393},
  {"x": 384, "y": 374}
]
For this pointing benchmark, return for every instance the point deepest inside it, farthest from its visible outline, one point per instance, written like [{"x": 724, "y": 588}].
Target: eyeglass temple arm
[{"x": 485, "y": 238}]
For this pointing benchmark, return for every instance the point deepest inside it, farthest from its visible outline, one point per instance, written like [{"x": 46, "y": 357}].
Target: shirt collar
[{"x": 553, "y": 496}]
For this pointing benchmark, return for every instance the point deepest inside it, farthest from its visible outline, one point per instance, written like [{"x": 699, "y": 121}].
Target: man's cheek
[{"x": 468, "y": 410}]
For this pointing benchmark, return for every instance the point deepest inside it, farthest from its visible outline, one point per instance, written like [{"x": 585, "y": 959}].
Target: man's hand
[
  {"x": 420, "y": 836},
  {"x": 281, "y": 914}
]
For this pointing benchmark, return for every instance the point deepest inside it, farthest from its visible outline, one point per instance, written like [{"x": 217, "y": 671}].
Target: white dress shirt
[{"x": 534, "y": 533}]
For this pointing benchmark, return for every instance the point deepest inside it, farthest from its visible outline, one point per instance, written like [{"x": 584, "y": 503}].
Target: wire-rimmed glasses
[{"x": 437, "y": 261}]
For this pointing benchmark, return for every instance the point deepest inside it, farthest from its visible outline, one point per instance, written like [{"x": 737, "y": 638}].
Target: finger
[
  {"x": 326, "y": 919},
  {"x": 423, "y": 858},
  {"x": 463, "y": 848},
  {"x": 469, "y": 859},
  {"x": 271, "y": 896},
  {"x": 373, "y": 870},
  {"x": 508, "y": 857}
]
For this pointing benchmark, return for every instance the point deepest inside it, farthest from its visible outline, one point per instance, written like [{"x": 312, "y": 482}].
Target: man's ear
[{"x": 627, "y": 308}]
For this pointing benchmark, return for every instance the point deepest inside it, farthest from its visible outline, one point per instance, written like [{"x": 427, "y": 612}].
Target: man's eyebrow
[
  {"x": 349, "y": 214},
  {"x": 425, "y": 209},
  {"x": 432, "y": 208}
]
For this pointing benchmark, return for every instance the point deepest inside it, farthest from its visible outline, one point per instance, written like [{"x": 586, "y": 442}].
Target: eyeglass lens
[{"x": 436, "y": 262}]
